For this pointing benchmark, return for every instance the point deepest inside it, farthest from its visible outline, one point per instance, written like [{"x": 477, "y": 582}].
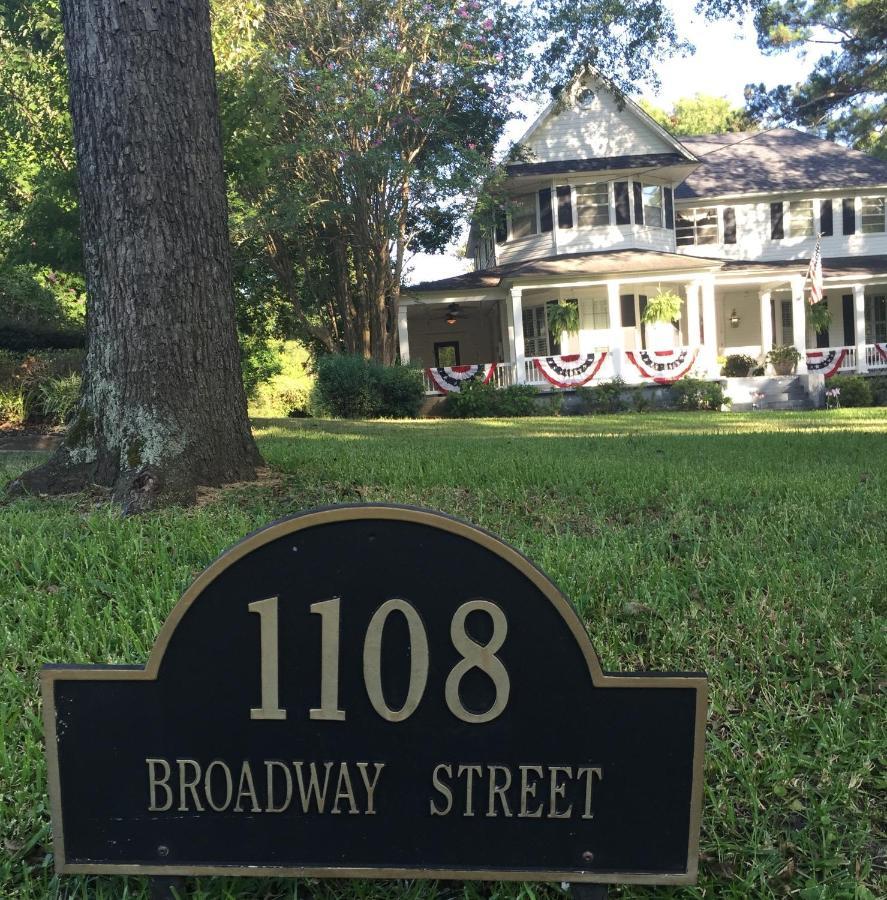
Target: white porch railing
[{"x": 873, "y": 358}]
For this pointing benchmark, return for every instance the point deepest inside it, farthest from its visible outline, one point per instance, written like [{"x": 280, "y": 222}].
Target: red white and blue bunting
[
  {"x": 449, "y": 379},
  {"x": 825, "y": 362},
  {"x": 570, "y": 371},
  {"x": 662, "y": 366}
]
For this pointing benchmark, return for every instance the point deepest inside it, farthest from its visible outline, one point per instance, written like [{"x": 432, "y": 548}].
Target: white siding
[
  {"x": 593, "y": 129},
  {"x": 753, "y": 240}
]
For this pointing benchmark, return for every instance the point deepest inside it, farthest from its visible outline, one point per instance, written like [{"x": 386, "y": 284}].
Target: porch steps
[{"x": 771, "y": 393}]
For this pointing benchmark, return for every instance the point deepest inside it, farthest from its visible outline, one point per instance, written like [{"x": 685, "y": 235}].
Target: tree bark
[{"x": 163, "y": 406}]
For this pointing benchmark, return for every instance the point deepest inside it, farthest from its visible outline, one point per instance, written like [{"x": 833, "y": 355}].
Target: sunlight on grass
[{"x": 750, "y": 546}]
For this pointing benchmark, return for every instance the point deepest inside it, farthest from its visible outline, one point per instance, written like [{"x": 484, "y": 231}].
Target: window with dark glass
[
  {"x": 696, "y": 226},
  {"x": 523, "y": 216},
  {"x": 593, "y": 205},
  {"x": 652, "y": 197}
]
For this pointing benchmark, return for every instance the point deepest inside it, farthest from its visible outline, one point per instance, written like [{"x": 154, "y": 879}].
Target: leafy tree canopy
[
  {"x": 845, "y": 96},
  {"x": 700, "y": 114}
]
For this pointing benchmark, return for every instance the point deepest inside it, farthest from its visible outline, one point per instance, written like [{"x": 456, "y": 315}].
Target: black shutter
[
  {"x": 848, "y": 212},
  {"x": 729, "y": 225},
  {"x": 826, "y": 218},
  {"x": 849, "y": 310},
  {"x": 545, "y": 220},
  {"x": 564, "y": 207},
  {"x": 669, "y": 208},
  {"x": 638, "y": 203},
  {"x": 623, "y": 208},
  {"x": 642, "y": 305},
  {"x": 501, "y": 226},
  {"x": 777, "y": 232},
  {"x": 823, "y": 336},
  {"x": 626, "y": 303}
]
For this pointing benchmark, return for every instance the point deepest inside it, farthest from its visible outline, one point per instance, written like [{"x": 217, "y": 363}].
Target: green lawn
[{"x": 752, "y": 546}]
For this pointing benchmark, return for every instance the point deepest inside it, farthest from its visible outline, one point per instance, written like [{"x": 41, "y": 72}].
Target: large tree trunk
[{"x": 163, "y": 407}]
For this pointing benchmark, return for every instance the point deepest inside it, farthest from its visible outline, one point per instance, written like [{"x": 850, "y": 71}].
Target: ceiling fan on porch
[{"x": 454, "y": 313}]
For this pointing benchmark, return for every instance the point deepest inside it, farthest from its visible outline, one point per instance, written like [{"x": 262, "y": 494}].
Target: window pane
[
  {"x": 600, "y": 317},
  {"x": 593, "y": 202},
  {"x": 800, "y": 217},
  {"x": 652, "y": 205},
  {"x": 523, "y": 216},
  {"x": 696, "y": 226},
  {"x": 872, "y": 215}
]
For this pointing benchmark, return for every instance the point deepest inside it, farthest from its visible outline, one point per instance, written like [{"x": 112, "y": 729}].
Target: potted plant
[
  {"x": 563, "y": 316},
  {"x": 783, "y": 359},
  {"x": 664, "y": 307}
]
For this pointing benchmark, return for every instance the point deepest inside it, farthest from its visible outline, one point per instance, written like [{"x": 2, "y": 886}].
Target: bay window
[
  {"x": 524, "y": 221},
  {"x": 873, "y": 215},
  {"x": 652, "y": 194},
  {"x": 800, "y": 218},
  {"x": 593, "y": 204}
]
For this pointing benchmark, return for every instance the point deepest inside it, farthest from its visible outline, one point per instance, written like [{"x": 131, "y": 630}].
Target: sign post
[{"x": 375, "y": 692}]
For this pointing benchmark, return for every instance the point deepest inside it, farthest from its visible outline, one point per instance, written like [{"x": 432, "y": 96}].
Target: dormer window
[
  {"x": 593, "y": 204},
  {"x": 524, "y": 221},
  {"x": 652, "y": 194}
]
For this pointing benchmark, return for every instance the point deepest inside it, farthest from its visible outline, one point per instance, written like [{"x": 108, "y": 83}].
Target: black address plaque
[{"x": 375, "y": 691}]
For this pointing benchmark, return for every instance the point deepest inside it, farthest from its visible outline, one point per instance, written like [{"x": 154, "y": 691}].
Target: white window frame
[
  {"x": 790, "y": 231},
  {"x": 719, "y": 234},
  {"x": 524, "y": 237},
  {"x": 863, "y": 229},
  {"x": 661, "y": 207},
  {"x": 594, "y": 184},
  {"x": 538, "y": 335},
  {"x": 599, "y": 309}
]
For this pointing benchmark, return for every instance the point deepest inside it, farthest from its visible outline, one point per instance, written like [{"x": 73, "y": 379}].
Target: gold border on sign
[{"x": 385, "y": 512}]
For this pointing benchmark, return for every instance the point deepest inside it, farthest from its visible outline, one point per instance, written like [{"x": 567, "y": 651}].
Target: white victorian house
[{"x": 609, "y": 209}]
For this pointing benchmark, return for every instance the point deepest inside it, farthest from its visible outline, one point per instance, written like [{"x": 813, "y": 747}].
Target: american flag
[{"x": 814, "y": 273}]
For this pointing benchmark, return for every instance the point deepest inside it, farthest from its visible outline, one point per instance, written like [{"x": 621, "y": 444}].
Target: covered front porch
[{"x": 500, "y": 333}]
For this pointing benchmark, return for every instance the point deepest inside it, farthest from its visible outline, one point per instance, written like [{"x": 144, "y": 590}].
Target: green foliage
[
  {"x": 40, "y": 308},
  {"x": 783, "y": 358},
  {"x": 39, "y": 387},
  {"x": 844, "y": 97},
  {"x": 57, "y": 398},
  {"x": 855, "y": 390},
  {"x": 819, "y": 317},
  {"x": 478, "y": 400},
  {"x": 738, "y": 365},
  {"x": 563, "y": 316},
  {"x": 13, "y": 406},
  {"x": 665, "y": 306},
  {"x": 288, "y": 392},
  {"x": 698, "y": 394},
  {"x": 878, "y": 384},
  {"x": 700, "y": 114},
  {"x": 352, "y": 387},
  {"x": 607, "y": 397}
]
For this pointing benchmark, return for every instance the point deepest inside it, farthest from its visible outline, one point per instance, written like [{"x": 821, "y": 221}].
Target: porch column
[
  {"x": 859, "y": 311},
  {"x": 403, "y": 335},
  {"x": 516, "y": 334},
  {"x": 694, "y": 334},
  {"x": 799, "y": 323},
  {"x": 617, "y": 343},
  {"x": 766, "y": 301},
  {"x": 709, "y": 353}
]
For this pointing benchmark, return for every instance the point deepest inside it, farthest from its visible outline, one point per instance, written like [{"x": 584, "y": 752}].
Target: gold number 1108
[{"x": 474, "y": 655}]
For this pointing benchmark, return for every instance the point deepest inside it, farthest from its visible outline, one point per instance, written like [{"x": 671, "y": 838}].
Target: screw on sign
[{"x": 404, "y": 695}]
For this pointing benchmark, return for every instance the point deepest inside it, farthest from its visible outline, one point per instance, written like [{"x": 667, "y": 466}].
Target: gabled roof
[{"x": 775, "y": 161}]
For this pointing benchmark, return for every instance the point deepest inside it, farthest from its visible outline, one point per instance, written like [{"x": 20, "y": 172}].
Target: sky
[{"x": 726, "y": 58}]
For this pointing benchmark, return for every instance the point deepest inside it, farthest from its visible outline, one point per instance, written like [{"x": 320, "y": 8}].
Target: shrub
[
  {"x": 477, "y": 400},
  {"x": 287, "y": 393},
  {"x": 695, "y": 393},
  {"x": 41, "y": 386},
  {"x": 878, "y": 384},
  {"x": 40, "y": 308},
  {"x": 738, "y": 365},
  {"x": 757, "y": 371},
  {"x": 784, "y": 358},
  {"x": 855, "y": 390},
  {"x": 606, "y": 397},
  {"x": 351, "y": 387},
  {"x": 402, "y": 391}
]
